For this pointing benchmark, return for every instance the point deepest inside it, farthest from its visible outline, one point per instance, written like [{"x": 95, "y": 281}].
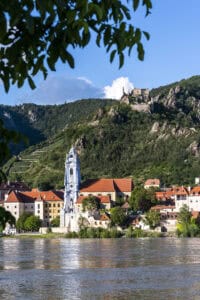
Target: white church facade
[{"x": 107, "y": 190}]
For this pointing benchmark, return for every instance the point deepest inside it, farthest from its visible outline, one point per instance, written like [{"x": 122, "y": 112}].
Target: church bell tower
[{"x": 71, "y": 183}]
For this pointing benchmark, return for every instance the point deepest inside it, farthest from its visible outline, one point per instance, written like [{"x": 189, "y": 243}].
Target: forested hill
[
  {"x": 154, "y": 136},
  {"x": 39, "y": 122}
]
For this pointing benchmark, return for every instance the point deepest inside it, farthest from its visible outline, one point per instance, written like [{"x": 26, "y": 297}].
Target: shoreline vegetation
[{"x": 94, "y": 233}]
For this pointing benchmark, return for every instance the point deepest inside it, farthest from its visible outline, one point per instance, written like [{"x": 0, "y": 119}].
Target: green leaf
[
  {"x": 146, "y": 34},
  {"x": 121, "y": 60},
  {"x": 112, "y": 55},
  {"x": 51, "y": 63},
  {"x": 135, "y": 4},
  {"x": 69, "y": 59},
  {"x": 137, "y": 35},
  {"x": 140, "y": 50},
  {"x": 31, "y": 83}
]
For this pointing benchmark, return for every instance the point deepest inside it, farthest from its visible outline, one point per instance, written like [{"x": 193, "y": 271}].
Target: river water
[{"x": 50, "y": 269}]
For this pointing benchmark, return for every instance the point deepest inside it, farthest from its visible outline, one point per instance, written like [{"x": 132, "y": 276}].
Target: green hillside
[{"x": 113, "y": 139}]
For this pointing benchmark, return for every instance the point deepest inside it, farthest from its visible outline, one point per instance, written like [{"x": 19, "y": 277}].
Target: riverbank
[{"x": 93, "y": 233}]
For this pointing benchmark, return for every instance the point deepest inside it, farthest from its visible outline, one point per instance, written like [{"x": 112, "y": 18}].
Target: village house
[
  {"x": 113, "y": 187},
  {"x": 152, "y": 183},
  {"x": 44, "y": 204}
]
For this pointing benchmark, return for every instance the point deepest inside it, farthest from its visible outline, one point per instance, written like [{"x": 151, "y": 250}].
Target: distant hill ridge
[{"x": 154, "y": 135}]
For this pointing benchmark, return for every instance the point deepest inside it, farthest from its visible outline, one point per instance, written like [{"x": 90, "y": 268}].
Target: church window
[
  {"x": 71, "y": 172},
  {"x": 38, "y": 205}
]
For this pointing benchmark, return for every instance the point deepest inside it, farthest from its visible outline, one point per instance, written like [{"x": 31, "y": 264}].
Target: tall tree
[
  {"x": 35, "y": 34},
  {"x": 91, "y": 203},
  {"x": 141, "y": 199}
]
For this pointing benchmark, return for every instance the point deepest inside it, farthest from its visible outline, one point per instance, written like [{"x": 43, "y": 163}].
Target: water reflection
[{"x": 99, "y": 269}]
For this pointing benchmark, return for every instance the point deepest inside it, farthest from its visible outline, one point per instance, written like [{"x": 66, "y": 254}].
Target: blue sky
[{"x": 173, "y": 53}]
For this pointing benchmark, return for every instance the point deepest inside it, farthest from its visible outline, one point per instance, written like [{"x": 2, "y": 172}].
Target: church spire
[{"x": 71, "y": 180}]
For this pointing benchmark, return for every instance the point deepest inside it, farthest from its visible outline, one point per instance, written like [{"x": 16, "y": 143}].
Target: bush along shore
[{"x": 98, "y": 233}]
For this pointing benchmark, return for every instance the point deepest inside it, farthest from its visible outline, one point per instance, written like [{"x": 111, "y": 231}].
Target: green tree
[
  {"x": 5, "y": 217},
  {"x": 117, "y": 216},
  {"x": 6, "y": 136},
  {"x": 36, "y": 34},
  {"x": 20, "y": 225},
  {"x": 32, "y": 223},
  {"x": 91, "y": 203},
  {"x": 152, "y": 218},
  {"x": 83, "y": 222},
  {"x": 186, "y": 225},
  {"x": 141, "y": 199},
  {"x": 184, "y": 216},
  {"x": 55, "y": 222}
]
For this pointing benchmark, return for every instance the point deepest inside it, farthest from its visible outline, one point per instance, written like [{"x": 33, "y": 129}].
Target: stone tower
[{"x": 71, "y": 183}]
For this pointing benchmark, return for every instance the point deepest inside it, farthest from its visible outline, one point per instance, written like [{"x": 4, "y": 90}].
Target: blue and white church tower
[{"x": 68, "y": 217}]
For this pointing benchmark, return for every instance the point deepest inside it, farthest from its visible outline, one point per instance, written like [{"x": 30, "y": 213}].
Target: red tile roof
[
  {"x": 35, "y": 195},
  {"x": 15, "y": 196},
  {"x": 102, "y": 199},
  {"x": 104, "y": 217},
  {"x": 195, "y": 190},
  {"x": 180, "y": 190},
  {"x": 160, "y": 207},
  {"x": 195, "y": 214},
  {"x": 152, "y": 182},
  {"x": 107, "y": 185}
]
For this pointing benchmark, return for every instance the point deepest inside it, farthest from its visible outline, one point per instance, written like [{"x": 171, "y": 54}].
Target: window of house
[
  {"x": 58, "y": 210},
  {"x": 50, "y": 210},
  {"x": 31, "y": 206},
  {"x": 38, "y": 205},
  {"x": 54, "y": 205},
  {"x": 46, "y": 204},
  {"x": 15, "y": 206},
  {"x": 38, "y": 211},
  {"x": 49, "y": 204},
  {"x": 58, "y": 204},
  {"x": 7, "y": 206}
]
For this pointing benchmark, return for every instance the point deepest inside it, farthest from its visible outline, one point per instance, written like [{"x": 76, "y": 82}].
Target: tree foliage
[
  {"x": 36, "y": 34},
  {"x": 152, "y": 218},
  {"x": 32, "y": 223},
  {"x": 186, "y": 225},
  {"x": 5, "y": 217},
  {"x": 55, "y": 222},
  {"x": 20, "y": 225},
  {"x": 117, "y": 216},
  {"x": 91, "y": 203},
  {"x": 142, "y": 199}
]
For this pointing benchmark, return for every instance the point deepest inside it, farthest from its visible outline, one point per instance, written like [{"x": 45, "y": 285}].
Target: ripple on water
[{"x": 100, "y": 269}]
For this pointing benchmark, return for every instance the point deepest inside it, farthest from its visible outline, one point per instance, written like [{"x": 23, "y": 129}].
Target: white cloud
[
  {"x": 60, "y": 89},
  {"x": 115, "y": 91}
]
